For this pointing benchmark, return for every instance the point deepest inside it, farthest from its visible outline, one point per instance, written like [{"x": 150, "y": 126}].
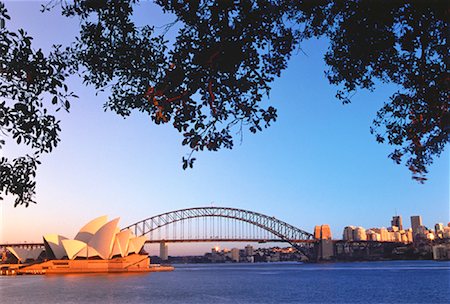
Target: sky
[{"x": 318, "y": 164}]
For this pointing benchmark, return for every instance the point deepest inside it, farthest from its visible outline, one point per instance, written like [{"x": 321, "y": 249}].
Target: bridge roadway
[
  {"x": 206, "y": 240},
  {"x": 239, "y": 240},
  {"x": 23, "y": 245}
]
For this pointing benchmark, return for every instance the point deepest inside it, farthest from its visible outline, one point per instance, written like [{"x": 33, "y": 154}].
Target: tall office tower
[
  {"x": 397, "y": 221},
  {"x": 416, "y": 222},
  {"x": 348, "y": 233}
]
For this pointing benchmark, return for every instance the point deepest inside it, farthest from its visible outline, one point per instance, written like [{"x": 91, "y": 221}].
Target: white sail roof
[
  {"x": 73, "y": 247},
  {"x": 138, "y": 243},
  {"x": 96, "y": 238},
  {"x": 130, "y": 248},
  {"x": 87, "y": 231},
  {"x": 19, "y": 253},
  {"x": 116, "y": 248},
  {"x": 87, "y": 252},
  {"x": 34, "y": 253},
  {"x": 103, "y": 239},
  {"x": 123, "y": 239},
  {"x": 23, "y": 254},
  {"x": 54, "y": 241}
]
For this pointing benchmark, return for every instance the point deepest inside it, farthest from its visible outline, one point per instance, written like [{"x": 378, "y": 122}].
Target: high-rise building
[
  {"x": 397, "y": 222},
  {"x": 416, "y": 222},
  {"x": 348, "y": 233}
]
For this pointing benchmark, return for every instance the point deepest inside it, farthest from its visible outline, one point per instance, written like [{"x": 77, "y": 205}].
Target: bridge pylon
[{"x": 163, "y": 251}]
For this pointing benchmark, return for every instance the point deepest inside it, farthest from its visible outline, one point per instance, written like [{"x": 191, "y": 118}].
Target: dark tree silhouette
[
  {"x": 226, "y": 54},
  {"x": 30, "y": 82}
]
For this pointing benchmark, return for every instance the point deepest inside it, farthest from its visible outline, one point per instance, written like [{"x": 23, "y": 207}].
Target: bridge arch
[{"x": 278, "y": 228}]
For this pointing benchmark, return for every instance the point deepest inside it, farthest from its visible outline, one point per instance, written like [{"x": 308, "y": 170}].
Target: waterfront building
[
  {"x": 421, "y": 231},
  {"x": 359, "y": 234},
  {"x": 397, "y": 236},
  {"x": 348, "y": 233},
  {"x": 410, "y": 235},
  {"x": 439, "y": 230},
  {"x": 446, "y": 233},
  {"x": 416, "y": 222},
  {"x": 235, "y": 254},
  {"x": 372, "y": 235},
  {"x": 397, "y": 222},
  {"x": 98, "y": 238},
  {"x": 384, "y": 235},
  {"x": 441, "y": 252},
  {"x": 404, "y": 237},
  {"x": 100, "y": 246},
  {"x": 248, "y": 250}
]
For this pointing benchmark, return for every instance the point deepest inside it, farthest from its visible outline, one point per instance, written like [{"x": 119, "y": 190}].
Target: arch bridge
[{"x": 220, "y": 224}]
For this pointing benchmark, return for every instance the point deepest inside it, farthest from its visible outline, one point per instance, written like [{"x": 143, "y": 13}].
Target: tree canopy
[
  {"x": 31, "y": 86},
  {"x": 225, "y": 56}
]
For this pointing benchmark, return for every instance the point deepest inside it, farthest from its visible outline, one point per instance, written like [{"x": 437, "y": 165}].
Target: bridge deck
[
  {"x": 180, "y": 241},
  {"x": 226, "y": 240}
]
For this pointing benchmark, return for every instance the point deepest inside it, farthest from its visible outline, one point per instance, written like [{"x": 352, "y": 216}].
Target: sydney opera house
[{"x": 99, "y": 246}]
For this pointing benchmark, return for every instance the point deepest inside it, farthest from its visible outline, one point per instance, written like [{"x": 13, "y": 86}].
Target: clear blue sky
[{"x": 317, "y": 164}]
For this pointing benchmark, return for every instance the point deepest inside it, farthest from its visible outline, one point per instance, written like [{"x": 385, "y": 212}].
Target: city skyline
[{"x": 317, "y": 164}]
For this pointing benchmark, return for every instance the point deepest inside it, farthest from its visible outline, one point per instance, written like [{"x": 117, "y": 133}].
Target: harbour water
[{"x": 360, "y": 282}]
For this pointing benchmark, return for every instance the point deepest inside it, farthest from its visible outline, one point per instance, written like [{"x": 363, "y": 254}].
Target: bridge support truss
[{"x": 220, "y": 224}]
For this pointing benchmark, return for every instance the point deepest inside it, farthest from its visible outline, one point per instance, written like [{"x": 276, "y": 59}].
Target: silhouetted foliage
[
  {"x": 400, "y": 42},
  {"x": 30, "y": 82},
  {"x": 211, "y": 80}
]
